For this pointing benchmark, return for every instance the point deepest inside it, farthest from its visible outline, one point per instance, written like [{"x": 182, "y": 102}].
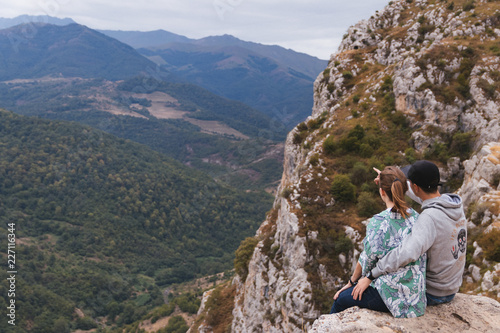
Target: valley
[
  {"x": 132, "y": 186},
  {"x": 172, "y": 125}
]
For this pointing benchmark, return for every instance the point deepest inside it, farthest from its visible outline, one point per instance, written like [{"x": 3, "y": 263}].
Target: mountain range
[
  {"x": 79, "y": 68},
  {"x": 30, "y": 19},
  {"x": 270, "y": 78},
  {"x": 67, "y": 51}
]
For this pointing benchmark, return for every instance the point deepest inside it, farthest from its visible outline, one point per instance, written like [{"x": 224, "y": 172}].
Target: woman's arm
[
  {"x": 352, "y": 280},
  {"x": 373, "y": 245},
  {"x": 357, "y": 273},
  {"x": 374, "y": 250}
]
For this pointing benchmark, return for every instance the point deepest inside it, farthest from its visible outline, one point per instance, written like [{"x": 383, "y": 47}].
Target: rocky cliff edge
[{"x": 466, "y": 313}]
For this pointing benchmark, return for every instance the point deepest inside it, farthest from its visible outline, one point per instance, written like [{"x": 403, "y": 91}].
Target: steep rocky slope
[{"x": 419, "y": 79}]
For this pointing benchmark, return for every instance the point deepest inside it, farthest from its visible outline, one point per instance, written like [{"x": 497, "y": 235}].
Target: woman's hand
[
  {"x": 347, "y": 286},
  {"x": 377, "y": 180},
  {"x": 360, "y": 288}
]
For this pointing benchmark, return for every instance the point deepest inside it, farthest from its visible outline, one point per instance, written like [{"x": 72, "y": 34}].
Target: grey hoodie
[{"x": 441, "y": 231}]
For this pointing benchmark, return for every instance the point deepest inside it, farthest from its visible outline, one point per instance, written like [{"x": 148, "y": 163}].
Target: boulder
[{"x": 466, "y": 313}]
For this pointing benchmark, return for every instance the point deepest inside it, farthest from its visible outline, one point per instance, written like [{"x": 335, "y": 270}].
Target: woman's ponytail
[
  {"x": 398, "y": 190},
  {"x": 393, "y": 182}
]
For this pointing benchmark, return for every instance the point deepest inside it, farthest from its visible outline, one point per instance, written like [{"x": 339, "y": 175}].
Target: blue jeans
[
  {"x": 371, "y": 300},
  {"x": 436, "y": 300}
]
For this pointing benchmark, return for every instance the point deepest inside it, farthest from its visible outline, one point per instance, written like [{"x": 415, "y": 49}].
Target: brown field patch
[
  {"x": 163, "y": 106},
  {"x": 215, "y": 127}
]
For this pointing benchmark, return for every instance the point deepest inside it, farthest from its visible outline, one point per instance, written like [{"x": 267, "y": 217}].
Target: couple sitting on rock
[{"x": 409, "y": 260}]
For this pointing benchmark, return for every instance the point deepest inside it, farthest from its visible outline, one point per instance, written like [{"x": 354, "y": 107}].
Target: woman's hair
[{"x": 393, "y": 182}]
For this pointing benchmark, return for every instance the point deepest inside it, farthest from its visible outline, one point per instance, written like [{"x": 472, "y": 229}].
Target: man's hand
[
  {"x": 360, "y": 288},
  {"x": 347, "y": 286}
]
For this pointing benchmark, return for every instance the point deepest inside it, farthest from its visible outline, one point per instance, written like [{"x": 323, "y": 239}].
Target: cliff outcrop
[
  {"x": 464, "y": 314},
  {"x": 419, "y": 79}
]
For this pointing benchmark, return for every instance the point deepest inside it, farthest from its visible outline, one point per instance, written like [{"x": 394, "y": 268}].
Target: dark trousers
[
  {"x": 371, "y": 300},
  {"x": 436, "y": 300}
]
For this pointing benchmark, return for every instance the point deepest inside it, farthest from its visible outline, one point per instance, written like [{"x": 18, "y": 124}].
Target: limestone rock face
[
  {"x": 466, "y": 313},
  {"x": 270, "y": 296},
  {"x": 480, "y": 173}
]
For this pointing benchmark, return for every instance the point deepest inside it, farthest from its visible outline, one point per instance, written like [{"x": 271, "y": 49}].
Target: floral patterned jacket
[{"x": 403, "y": 291}]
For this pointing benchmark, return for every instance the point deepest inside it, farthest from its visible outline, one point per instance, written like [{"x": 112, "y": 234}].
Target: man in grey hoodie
[{"x": 441, "y": 231}]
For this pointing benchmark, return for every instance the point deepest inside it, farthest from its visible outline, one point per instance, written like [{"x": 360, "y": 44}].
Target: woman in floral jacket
[{"x": 402, "y": 293}]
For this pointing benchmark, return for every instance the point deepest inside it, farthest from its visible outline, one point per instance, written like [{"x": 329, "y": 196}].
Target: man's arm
[
  {"x": 411, "y": 248},
  {"x": 417, "y": 243}
]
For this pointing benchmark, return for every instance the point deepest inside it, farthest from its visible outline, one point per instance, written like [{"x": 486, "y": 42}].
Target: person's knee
[
  {"x": 342, "y": 302},
  {"x": 338, "y": 306}
]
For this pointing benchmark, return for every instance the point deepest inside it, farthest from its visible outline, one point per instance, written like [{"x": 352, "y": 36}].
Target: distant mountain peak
[
  {"x": 142, "y": 39},
  {"x": 73, "y": 50},
  {"x": 33, "y": 19},
  {"x": 225, "y": 38}
]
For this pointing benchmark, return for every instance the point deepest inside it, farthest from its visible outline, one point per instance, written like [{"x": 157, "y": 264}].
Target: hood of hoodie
[{"x": 449, "y": 204}]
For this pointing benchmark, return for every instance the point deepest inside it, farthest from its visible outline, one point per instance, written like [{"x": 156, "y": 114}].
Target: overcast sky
[{"x": 314, "y": 27}]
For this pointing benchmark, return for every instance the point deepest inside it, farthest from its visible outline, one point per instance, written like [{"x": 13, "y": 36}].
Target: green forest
[
  {"x": 176, "y": 138},
  {"x": 103, "y": 223}
]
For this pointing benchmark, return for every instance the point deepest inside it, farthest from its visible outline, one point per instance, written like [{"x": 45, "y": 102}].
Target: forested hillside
[
  {"x": 102, "y": 222},
  {"x": 78, "y": 74},
  {"x": 121, "y": 108}
]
